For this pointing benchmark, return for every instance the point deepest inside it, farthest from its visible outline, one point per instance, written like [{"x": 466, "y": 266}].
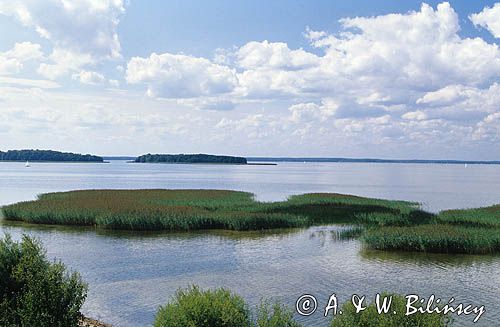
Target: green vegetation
[
  {"x": 34, "y": 291},
  {"x": 371, "y": 318},
  {"x": 216, "y": 308},
  {"x": 46, "y": 155},
  {"x": 275, "y": 315},
  {"x": 479, "y": 217},
  {"x": 193, "y": 307},
  {"x": 435, "y": 238},
  {"x": 190, "y": 158},
  {"x": 471, "y": 231},
  {"x": 197, "y": 209},
  {"x": 381, "y": 224}
]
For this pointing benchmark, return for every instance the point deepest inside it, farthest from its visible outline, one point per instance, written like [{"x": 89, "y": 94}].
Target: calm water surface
[{"x": 130, "y": 275}]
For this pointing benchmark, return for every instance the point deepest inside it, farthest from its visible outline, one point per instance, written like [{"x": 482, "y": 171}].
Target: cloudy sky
[{"x": 387, "y": 79}]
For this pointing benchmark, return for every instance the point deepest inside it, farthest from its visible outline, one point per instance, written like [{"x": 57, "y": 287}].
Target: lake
[{"x": 131, "y": 274}]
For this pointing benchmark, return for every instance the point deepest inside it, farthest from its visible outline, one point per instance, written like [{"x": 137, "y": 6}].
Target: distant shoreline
[
  {"x": 207, "y": 163},
  {"x": 371, "y": 160},
  {"x": 50, "y": 161}
]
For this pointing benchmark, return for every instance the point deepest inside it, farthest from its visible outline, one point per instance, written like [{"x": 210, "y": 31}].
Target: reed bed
[
  {"x": 197, "y": 209},
  {"x": 435, "y": 238},
  {"x": 478, "y": 217},
  {"x": 381, "y": 224}
]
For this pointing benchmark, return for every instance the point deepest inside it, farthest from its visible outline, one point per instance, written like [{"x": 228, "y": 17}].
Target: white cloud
[
  {"x": 91, "y": 78},
  {"x": 86, "y": 26},
  {"x": 307, "y": 112},
  {"x": 177, "y": 76},
  {"x": 12, "y": 61},
  {"x": 37, "y": 83},
  {"x": 446, "y": 95},
  {"x": 417, "y": 50},
  {"x": 265, "y": 55},
  {"x": 415, "y": 115},
  {"x": 489, "y": 18},
  {"x": 82, "y": 32},
  {"x": 63, "y": 62}
]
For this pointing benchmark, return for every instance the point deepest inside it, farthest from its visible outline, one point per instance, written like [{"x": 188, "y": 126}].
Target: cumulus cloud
[
  {"x": 307, "y": 112},
  {"x": 86, "y": 26},
  {"x": 447, "y": 95},
  {"x": 12, "y": 61},
  {"x": 87, "y": 77},
  {"x": 85, "y": 30},
  {"x": 265, "y": 55},
  {"x": 417, "y": 50},
  {"x": 63, "y": 61},
  {"x": 179, "y": 76},
  {"x": 489, "y": 18},
  {"x": 415, "y": 115}
]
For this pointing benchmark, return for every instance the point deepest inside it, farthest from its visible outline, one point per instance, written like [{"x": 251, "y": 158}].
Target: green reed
[
  {"x": 197, "y": 209},
  {"x": 438, "y": 238}
]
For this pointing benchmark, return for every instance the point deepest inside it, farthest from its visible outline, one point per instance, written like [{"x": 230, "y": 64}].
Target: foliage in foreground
[
  {"x": 34, "y": 291},
  {"x": 215, "y": 308},
  {"x": 193, "y": 307},
  {"x": 371, "y": 318}
]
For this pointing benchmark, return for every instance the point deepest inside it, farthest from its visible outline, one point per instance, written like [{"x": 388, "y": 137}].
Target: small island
[
  {"x": 190, "y": 159},
  {"x": 47, "y": 156}
]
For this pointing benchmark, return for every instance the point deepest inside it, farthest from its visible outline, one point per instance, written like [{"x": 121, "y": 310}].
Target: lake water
[{"x": 131, "y": 274}]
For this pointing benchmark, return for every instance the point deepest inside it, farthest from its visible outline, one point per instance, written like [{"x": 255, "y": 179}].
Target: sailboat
[{"x": 27, "y": 164}]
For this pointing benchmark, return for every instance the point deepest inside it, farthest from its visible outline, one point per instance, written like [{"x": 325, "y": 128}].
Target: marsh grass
[
  {"x": 478, "y": 217},
  {"x": 197, "y": 209},
  {"x": 435, "y": 238},
  {"x": 382, "y": 224}
]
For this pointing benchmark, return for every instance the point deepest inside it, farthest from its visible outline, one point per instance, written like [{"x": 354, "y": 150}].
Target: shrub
[
  {"x": 275, "y": 315},
  {"x": 196, "y": 308},
  {"x": 34, "y": 291},
  {"x": 371, "y": 318}
]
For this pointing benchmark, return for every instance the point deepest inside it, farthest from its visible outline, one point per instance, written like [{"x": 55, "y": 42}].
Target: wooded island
[
  {"x": 47, "y": 155},
  {"x": 190, "y": 158}
]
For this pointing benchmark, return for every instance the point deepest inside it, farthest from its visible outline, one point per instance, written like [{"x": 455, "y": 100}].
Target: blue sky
[{"x": 391, "y": 79}]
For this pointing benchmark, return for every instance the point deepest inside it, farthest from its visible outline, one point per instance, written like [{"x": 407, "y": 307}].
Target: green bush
[
  {"x": 196, "y": 308},
  {"x": 275, "y": 315},
  {"x": 34, "y": 291},
  {"x": 193, "y": 307},
  {"x": 371, "y": 318}
]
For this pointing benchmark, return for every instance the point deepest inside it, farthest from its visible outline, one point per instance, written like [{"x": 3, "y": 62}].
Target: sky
[{"x": 380, "y": 79}]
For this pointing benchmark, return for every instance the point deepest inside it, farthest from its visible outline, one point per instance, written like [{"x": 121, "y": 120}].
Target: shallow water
[{"x": 130, "y": 275}]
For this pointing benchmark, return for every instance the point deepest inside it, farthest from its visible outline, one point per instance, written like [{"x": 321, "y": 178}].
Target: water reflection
[{"x": 131, "y": 274}]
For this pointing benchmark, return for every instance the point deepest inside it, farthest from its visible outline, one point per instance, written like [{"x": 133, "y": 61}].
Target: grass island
[{"x": 381, "y": 224}]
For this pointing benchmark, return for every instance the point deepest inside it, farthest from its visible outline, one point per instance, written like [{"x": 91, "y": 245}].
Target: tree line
[{"x": 46, "y": 155}]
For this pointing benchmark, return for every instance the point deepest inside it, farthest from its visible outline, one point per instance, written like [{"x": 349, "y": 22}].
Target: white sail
[{"x": 27, "y": 164}]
